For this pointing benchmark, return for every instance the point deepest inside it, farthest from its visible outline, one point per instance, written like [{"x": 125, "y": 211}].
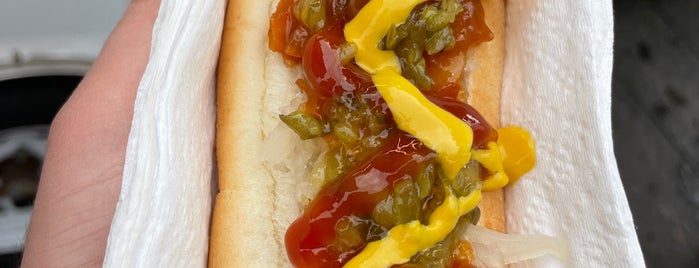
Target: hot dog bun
[{"x": 259, "y": 193}]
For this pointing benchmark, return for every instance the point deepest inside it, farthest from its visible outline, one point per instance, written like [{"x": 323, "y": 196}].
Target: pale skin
[{"x": 82, "y": 172}]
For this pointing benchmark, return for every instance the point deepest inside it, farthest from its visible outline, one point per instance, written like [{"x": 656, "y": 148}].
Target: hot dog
[{"x": 342, "y": 132}]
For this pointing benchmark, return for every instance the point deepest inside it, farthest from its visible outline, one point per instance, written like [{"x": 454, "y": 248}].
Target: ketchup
[
  {"x": 323, "y": 68},
  {"x": 469, "y": 30},
  {"x": 356, "y": 193},
  {"x": 311, "y": 240},
  {"x": 482, "y": 131}
]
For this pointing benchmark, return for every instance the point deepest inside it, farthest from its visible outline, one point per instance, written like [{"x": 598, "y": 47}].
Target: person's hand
[{"x": 82, "y": 172}]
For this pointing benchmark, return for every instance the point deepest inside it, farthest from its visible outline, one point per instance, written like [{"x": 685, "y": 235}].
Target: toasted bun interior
[{"x": 263, "y": 166}]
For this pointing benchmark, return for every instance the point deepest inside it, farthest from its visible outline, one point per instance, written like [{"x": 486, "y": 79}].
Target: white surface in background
[
  {"x": 169, "y": 158},
  {"x": 32, "y": 30},
  {"x": 557, "y": 84}
]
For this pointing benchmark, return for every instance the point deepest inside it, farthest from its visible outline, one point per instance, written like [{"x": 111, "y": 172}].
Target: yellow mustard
[
  {"x": 405, "y": 240},
  {"x": 370, "y": 25},
  {"x": 511, "y": 157},
  {"x": 491, "y": 160},
  {"x": 441, "y": 131},
  {"x": 438, "y": 129},
  {"x": 518, "y": 151}
]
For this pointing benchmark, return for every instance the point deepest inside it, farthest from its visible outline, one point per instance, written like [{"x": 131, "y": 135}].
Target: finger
[{"x": 82, "y": 171}]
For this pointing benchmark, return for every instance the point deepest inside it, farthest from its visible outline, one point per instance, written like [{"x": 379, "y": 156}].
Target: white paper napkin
[
  {"x": 160, "y": 221},
  {"x": 557, "y": 84}
]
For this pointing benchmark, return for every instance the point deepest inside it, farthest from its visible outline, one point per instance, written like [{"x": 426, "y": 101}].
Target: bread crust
[
  {"x": 484, "y": 83},
  {"x": 239, "y": 236},
  {"x": 245, "y": 229}
]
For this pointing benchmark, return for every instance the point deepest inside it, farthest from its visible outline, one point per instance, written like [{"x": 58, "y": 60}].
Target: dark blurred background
[
  {"x": 655, "y": 112},
  {"x": 655, "y": 117},
  {"x": 25, "y": 103}
]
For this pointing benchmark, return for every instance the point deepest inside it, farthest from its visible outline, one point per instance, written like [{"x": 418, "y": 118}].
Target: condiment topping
[
  {"x": 405, "y": 240},
  {"x": 438, "y": 129},
  {"x": 387, "y": 192}
]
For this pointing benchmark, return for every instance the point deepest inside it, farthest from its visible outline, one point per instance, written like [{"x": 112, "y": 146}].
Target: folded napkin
[
  {"x": 171, "y": 141},
  {"x": 557, "y": 84}
]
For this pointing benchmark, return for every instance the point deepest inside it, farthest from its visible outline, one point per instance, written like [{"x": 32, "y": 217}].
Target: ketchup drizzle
[{"x": 310, "y": 240}]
